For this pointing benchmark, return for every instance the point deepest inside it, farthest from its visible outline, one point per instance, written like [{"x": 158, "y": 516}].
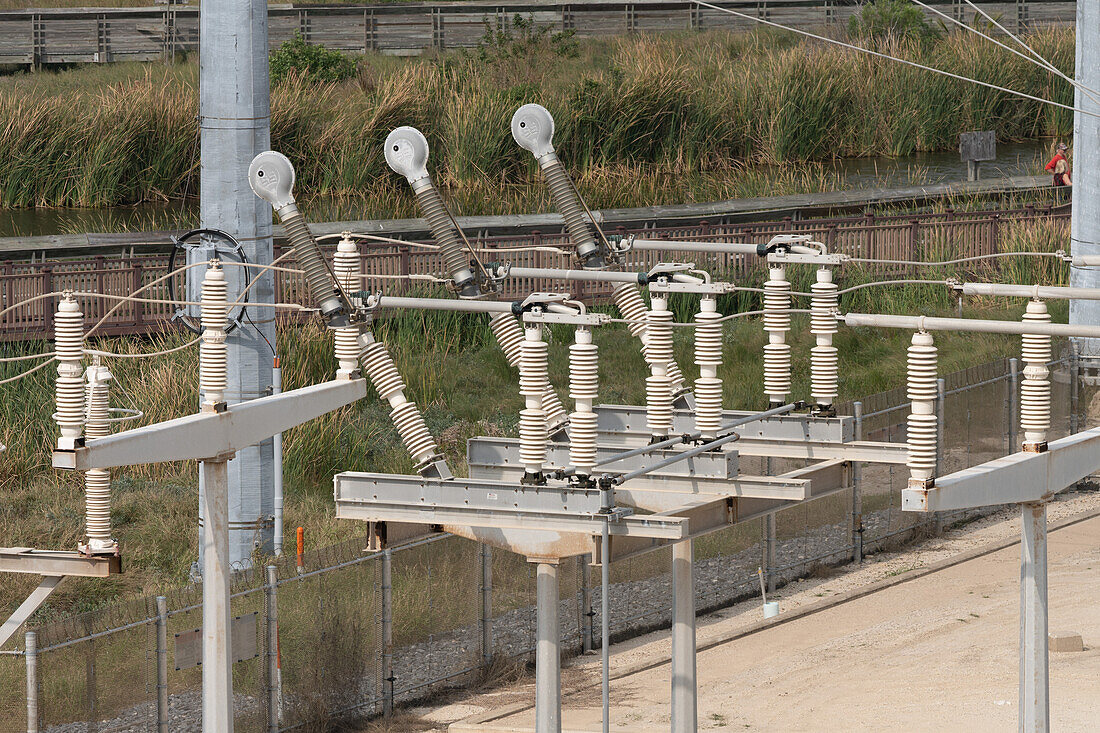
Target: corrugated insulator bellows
[
  {"x": 658, "y": 353},
  {"x": 584, "y": 389},
  {"x": 347, "y": 268},
  {"x": 379, "y": 368},
  {"x": 921, "y": 392},
  {"x": 213, "y": 353},
  {"x": 708, "y": 357},
  {"x": 97, "y": 481},
  {"x": 455, "y": 256},
  {"x": 1035, "y": 387},
  {"x": 509, "y": 335},
  {"x": 308, "y": 255},
  {"x": 69, "y": 354},
  {"x": 533, "y": 382},
  {"x": 777, "y": 321},
  {"x": 568, "y": 205},
  {"x": 824, "y": 369}
]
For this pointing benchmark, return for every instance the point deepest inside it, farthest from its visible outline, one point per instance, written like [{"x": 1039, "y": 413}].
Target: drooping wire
[{"x": 888, "y": 57}]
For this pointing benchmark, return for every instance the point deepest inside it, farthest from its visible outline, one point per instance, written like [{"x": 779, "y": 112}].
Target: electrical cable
[
  {"x": 30, "y": 371},
  {"x": 27, "y": 357},
  {"x": 894, "y": 58},
  {"x": 976, "y": 258},
  {"x": 142, "y": 355}
]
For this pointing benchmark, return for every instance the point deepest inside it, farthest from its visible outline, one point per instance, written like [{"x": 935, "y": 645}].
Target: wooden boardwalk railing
[
  {"x": 100, "y": 35},
  {"x": 905, "y": 237}
]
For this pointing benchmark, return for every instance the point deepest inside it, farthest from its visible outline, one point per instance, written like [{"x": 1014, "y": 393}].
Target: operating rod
[
  {"x": 548, "y": 273},
  {"x": 696, "y": 435},
  {"x": 444, "y": 304},
  {"x": 928, "y": 323},
  {"x": 691, "y": 453},
  {"x": 1042, "y": 292},
  {"x": 649, "y": 245}
]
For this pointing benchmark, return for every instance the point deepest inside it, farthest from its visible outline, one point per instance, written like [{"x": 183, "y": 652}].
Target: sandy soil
[{"x": 935, "y": 653}]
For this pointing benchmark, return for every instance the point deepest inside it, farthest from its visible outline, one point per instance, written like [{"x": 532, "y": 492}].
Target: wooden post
[
  {"x": 135, "y": 285},
  {"x": 403, "y": 257},
  {"x": 914, "y": 240},
  {"x": 47, "y": 305}
]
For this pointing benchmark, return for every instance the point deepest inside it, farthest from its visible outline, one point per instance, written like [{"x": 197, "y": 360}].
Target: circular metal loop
[{"x": 229, "y": 247}]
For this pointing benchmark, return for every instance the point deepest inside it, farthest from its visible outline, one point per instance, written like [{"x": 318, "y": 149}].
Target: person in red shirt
[{"x": 1059, "y": 166}]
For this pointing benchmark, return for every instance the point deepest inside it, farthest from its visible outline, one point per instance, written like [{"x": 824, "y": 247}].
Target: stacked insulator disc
[
  {"x": 97, "y": 481},
  {"x": 347, "y": 268},
  {"x": 658, "y": 353},
  {"x": 533, "y": 382},
  {"x": 69, "y": 353},
  {"x": 379, "y": 368},
  {"x": 629, "y": 301},
  {"x": 708, "y": 357},
  {"x": 777, "y": 321},
  {"x": 1035, "y": 388},
  {"x": 921, "y": 391},
  {"x": 824, "y": 371},
  {"x": 509, "y": 335},
  {"x": 584, "y": 389},
  {"x": 213, "y": 352}
]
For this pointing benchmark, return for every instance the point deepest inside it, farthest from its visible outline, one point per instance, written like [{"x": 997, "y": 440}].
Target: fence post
[
  {"x": 387, "y": 632},
  {"x": 274, "y": 684},
  {"x": 857, "y": 495},
  {"x": 941, "y": 413},
  {"x": 47, "y": 305},
  {"x": 162, "y": 664},
  {"x": 1074, "y": 388},
  {"x": 486, "y": 605},
  {"x": 135, "y": 285},
  {"x": 768, "y": 560},
  {"x": 914, "y": 241},
  {"x": 31, "y": 653},
  {"x": 587, "y": 614},
  {"x": 1013, "y": 401}
]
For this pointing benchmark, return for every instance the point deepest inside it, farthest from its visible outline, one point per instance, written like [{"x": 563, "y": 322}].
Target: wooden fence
[
  {"x": 100, "y": 35},
  {"x": 908, "y": 237}
]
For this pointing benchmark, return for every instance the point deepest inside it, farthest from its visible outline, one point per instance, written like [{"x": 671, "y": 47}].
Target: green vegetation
[
  {"x": 310, "y": 62},
  {"x": 890, "y": 20},
  {"x": 456, "y": 373},
  {"x": 640, "y": 120}
]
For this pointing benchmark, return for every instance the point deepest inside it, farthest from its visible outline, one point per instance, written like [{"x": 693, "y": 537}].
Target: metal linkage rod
[
  {"x": 688, "y": 437},
  {"x": 928, "y": 323},
  {"x": 664, "y": 245},
  {"x": 445, "y": 304},
  {"x": 1045, "y": 292},
  {"x": 603, "y": 276}
]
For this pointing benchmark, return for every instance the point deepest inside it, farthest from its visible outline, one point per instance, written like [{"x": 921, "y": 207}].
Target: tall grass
[{"x": 640, "y": 120}]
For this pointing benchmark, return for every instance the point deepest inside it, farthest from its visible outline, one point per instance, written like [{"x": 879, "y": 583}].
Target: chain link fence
[{"x": 360, "y": 631}]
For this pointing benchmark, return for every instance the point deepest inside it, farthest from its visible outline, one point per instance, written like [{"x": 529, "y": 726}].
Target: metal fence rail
[
  {"x": 100, "y": 35},
  {"x": 903, "y": 237},
  {"x": 360, "y": 631}
]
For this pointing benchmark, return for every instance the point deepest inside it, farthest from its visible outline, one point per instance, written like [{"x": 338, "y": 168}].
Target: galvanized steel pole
[
  {"x": 857, "y": 489},
  {"x": 547, "y": 652},
  {"x": 30, "y": 651},
  {"x": 162, "y": 664},
  {"x": 684, "y": 708},
  {"x": 486, "y": 605},
  {"x": 234, "y": 121},
  {"x": 387, "y": 632},
  {"x": 587, "y": 614},
  {"x": 1085, "y": 219},
  {"x": 272, "y": 652},
  {"x": 1034, "y": 672},
  {"x": 1013, "y": 404},
  {"x": 217, "y": 670},
  {"x": 941, "y": 412}
]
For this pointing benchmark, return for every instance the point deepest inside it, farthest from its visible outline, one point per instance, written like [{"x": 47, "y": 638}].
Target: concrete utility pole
[
  {"x": 1085, "y": 236},
  {"x": 234, "y": 113}
]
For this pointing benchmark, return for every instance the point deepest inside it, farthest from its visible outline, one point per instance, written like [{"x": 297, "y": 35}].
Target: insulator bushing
[
  {"x": 824, "y": 363},
  {"x": 378, "y": 366},
  {"x": 1035, "y": 387},
  {"x": 347, "y": 267},
  {"x": 584, "y": 371},
  {"x": 213, "y": 352},
  {"x": 658, "y": 400},
  {"x": 633, "y": 309},
  {"x": 533, "y": 383},
  {"x": 566, "y": 201},
  {"x": 97, "y": 481},
  {"x": 921, "y": 434},
  {"x": 582, "y": 442},
  {"x": 777, "y": 321},
  {"x": 321, "y": 281},
  {"x": 455, "y": 257},
  {"x": 708, "y": 357},
  {"x": 509, "y": 335},
  {"x": 69, "y": 354},
  {"x": 658, "y": 351},
  {"x": 584, "y": 383},
  {"x": 414, "y": 433}
]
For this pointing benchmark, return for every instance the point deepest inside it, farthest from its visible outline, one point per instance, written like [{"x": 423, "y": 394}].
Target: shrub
[
  {"x": 890, "y": 20},
  {"x": 312, "y": 62}
]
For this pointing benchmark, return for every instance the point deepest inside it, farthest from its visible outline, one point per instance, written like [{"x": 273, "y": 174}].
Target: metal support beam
[
  {"x": 548, "y": 652},
  {"x": 57, "y": 562},
  {"x": 684, "y": 709},
  {"x": 34, "y": 601},
  {"x": 1018, "y": 478},
  {"x": 213, "y": 434},
  {"x": 217, "y": 670},
  {"x": 1034, "y": 672}
]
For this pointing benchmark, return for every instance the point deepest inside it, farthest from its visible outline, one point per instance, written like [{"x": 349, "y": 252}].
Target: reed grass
[{"x": 643, "y": 119}]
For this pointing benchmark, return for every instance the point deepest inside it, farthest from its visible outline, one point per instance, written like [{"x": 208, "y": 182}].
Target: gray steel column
[
  {"x": 234, "y": 118},
  {"x": 941, "y": 416},
  {"x": 217, "y": 669},
  {"x": 857, "y": 490},
  {"x": 585, "y": 609},
  {"x": 387, "y": 632},
  {"x": 272, "y": 651},
  {"x": 684, "y": 709},
  {"x": 162, "y": 664},
  {"x": 1074, "y": 390},
  {"x": 486, "y": 605},
  {"x": 547, "y": 652},
  {"x": 1085, "y": 223},
  {"x": 31, "y": 653},
  {"x": 277, "y": 470},
  {"x": 1013, "y": 404},
  {"x": 1034, "y": 677}
]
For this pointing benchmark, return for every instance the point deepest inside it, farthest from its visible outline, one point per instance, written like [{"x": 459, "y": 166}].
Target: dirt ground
[{"x": 938, "y": 652}]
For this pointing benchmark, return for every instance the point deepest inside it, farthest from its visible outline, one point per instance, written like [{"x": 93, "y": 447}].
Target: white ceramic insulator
[
  {"x": 633, "y": 309},
  {"x": 921, "y": 392},
  {"x": 584, "y": 390},
  {"x": 97, "y": 481},
  {"x": 658, "y": 351},
  {"x": 509, "y": 335},
  {"x": 69, "y": 353},
  {"x": 346, "y": 266},
  {"x": 1035, "y": 387},
  {"x": 824, "y": 363},
  {"x": 658, "y": 396},
  {"x": 660, "y": 387},
  {"x": 378, "y": 366},
  {"x": 777, "y": 321},
  {"x": 213, "y": 352},
  {"x": 708, "y": 357},
  {"x": 533, "y": 382}
]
